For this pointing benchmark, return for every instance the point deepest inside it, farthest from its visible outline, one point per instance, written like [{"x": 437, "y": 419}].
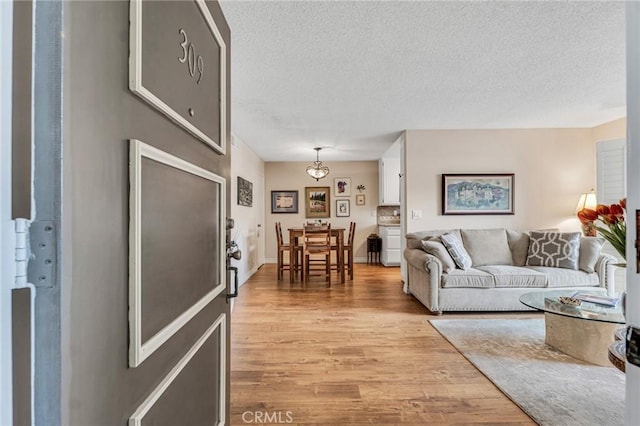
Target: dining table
[{"x": 295, "y": 235}]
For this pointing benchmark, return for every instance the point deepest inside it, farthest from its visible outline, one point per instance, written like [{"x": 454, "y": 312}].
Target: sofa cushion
[
  {"x": 589, "y": 253},
  {"x": 515, "y": 276},
  {"x": 470, "y": 278},
  {"x": 562, "y": 277},
  {"x": 487, "y": 246},
  {"x": 557, "y": 249},
  {"x": 456, "y": 250},
  {"x": 414, "y": 239},
  {"x": 434, "y": 247},
  {"x": 519, "y": 245}
]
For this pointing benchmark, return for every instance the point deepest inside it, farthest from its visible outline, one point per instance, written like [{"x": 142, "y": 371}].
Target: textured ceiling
[{"x": 350, "y": 76}]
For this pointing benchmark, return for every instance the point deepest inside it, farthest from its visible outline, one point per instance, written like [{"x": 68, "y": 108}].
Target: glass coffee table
[{"x": 584, "y": 332}]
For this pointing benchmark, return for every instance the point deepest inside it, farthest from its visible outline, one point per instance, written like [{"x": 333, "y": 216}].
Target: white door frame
[
  {"x": 632, "y": 411},
  {"x": 7, "y": 254}
]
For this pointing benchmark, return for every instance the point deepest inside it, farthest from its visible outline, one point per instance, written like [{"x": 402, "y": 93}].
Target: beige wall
[
  {"x": 613, "y": 130},
  {"x": 291, "y": 176},
  {"x": 552, "y": 168},
  {"x": 247, "y": 232}
]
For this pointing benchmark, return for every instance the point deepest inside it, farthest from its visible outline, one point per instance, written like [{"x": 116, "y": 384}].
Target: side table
[
  {"x": 374, "y": 246},
  {"x": 618, "y": 349}
]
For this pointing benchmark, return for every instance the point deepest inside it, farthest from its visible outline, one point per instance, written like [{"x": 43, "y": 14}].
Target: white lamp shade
[{"x": 587, "y": 201}]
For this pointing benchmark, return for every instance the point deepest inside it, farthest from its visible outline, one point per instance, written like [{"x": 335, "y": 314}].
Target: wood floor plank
[{"x": 362, "y": 352}]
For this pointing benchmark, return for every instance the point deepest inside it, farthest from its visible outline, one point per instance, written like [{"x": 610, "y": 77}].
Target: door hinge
[
  {"x": 42, "y": 267},
  {"x": 21, "y": 227}
]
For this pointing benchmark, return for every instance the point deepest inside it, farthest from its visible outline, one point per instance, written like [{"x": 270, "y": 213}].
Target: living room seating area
[{"x": 489, "y": 269}]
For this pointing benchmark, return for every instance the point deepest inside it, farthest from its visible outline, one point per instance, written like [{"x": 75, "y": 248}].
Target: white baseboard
[{"x": 245, "y": 277}]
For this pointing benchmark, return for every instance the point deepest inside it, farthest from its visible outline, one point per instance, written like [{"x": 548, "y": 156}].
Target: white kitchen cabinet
[
  {"x": 389, "y": 171},
  {"x": 390, "y": 253}
]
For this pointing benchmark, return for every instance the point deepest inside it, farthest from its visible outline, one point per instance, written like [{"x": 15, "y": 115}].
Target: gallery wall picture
[
  {"x": 343, "y": 208},
  {"x": 465, "y": 194},
  {"x": 342, "y": 187},
  {"x": 284, "y": 201},
  {"x": 317, "y": 202},
  {"x": 245, "y": 192},
  {"x": 360, "y": 199}
]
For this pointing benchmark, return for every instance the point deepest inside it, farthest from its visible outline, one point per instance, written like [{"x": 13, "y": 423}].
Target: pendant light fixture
[{"x": 317, "y": 171}]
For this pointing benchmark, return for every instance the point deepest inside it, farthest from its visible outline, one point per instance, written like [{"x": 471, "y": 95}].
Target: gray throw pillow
[
  {"x": 519, "y": 245},
  {"x": 456, "y": 250},
  {"x": 435, "y": 248},
  {"x": 555, "y": 249},
  {"x": 589, "y": 253},
  {"x": 487, "y": 246}
]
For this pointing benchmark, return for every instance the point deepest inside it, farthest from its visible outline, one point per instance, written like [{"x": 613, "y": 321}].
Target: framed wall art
[
  {"x": 284, "y": 201},
  {"x": 466, "y": 194},
  {"x": 360, "y": 199},
  {"x": 342, "y": 187},
  {"x": 317, "y": 202},
  {"x": 245, "y": 192},
  {"x": 343, "y": 208}
]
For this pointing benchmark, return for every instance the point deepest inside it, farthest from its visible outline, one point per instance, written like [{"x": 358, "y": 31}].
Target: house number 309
[{"x": 189, "y": 56}]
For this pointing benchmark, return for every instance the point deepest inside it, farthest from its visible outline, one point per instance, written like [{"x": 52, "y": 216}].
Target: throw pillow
[
  {"x": 487, "y": 246},
  {"x": 589, "y": 253},
  {"x": 435, "y": 248},
  {"x": 456, "y": 250},
  {"x": 555, "y": 249},
  {"x": 519, "y": 245}
]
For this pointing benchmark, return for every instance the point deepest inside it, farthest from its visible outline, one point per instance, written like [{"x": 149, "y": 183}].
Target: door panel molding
[
  {"x": 220, "y": 323},
  {"x": 139, "y": 350},
  {"x": 136, "y": 84}
]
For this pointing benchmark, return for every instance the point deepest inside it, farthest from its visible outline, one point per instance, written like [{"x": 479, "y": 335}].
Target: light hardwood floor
[{"x": 356, "y": 353}]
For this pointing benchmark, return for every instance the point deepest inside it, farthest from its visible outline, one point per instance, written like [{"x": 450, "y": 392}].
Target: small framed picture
[
  {"x": 343, "y": 209},
  {"x": 359, "y": 199},
  {"x": 342, "y": 187},
  {"x": 245, "y": 192},
  {"x": 284, "y": 201}
]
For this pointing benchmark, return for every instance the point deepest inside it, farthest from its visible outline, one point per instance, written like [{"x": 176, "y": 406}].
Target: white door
[
  {"x": 633, "y": 201},
  {"x": 260, "y": 220},
  {"x": 6, "y": 232}
]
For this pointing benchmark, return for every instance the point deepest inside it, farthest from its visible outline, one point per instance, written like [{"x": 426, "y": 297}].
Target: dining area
[{"x": 315, "y": 251}]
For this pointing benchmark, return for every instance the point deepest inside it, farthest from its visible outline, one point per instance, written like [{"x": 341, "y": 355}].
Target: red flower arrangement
[{"x": 612, "y": 217}]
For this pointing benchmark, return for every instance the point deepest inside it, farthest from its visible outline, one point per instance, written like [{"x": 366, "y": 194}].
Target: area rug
[{"x": 551, "y": 387}]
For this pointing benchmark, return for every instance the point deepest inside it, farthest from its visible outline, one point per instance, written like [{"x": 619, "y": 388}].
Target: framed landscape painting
[
  {"x": 317, "y": 202},
  {"x": 465, "y": 194},
  {"x": 284, "y": 201}
]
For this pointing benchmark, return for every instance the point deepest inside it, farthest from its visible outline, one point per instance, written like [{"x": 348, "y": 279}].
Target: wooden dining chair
[
  {"x": 347, "y": 246},
  {"x": 282, "y": 248},
  {"x": 316, "y": 252}
]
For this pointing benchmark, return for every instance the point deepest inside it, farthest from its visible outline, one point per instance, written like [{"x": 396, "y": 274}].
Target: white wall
[
  {"x": 552, "y": 168},
  {"x": 7, "y": 252},
  {"x": 249, "y": 221},
  {"x": 291, "y": 176}
]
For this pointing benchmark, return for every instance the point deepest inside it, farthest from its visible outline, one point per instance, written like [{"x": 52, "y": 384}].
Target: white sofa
[{"x": 502, "y": 269}]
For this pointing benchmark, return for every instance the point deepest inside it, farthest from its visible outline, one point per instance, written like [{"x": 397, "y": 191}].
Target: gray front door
[{"x": 131, "y": 122}]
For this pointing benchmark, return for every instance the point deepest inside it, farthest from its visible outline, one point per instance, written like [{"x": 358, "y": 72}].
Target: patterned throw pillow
[
  {"x": 556, "y": 249},
  {"x": 456, "y": 250}
]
